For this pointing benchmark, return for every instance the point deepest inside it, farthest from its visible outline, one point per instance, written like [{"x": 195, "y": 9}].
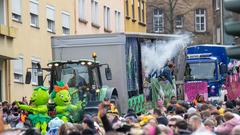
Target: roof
[
  {"x": 215, "y": 50},
  {"x": 128, "y": 34},
  {"x": 72, "y": 61},
  {"x": 211, "y": 45},
  {"x": 103, "y": 39},
  {"x": 151, "y": 35}
]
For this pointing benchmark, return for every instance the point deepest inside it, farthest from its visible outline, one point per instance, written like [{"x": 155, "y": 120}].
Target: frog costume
[
  {"x": 39, "y": 117},
  {"x": 62, "y": 99}
]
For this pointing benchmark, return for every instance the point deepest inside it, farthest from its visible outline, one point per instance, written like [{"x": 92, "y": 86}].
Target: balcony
[{"x": 8, "y": 31}]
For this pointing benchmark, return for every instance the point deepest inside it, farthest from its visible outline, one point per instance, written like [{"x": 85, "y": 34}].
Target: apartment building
[
  {"x": 26, "y": 27},
  {"x": 99, "y": 16},
  {"x": 192, "y": 16},
  {"x": 135, "y": 15}
]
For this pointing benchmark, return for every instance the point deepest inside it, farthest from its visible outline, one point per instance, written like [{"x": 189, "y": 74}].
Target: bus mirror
[
  {"x": 223, "y": 68},
  {"x": 108, "y": 73},
  {"x": 28, "y": 77}
]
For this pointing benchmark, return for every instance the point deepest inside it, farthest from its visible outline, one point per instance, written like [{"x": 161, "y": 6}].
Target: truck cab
[{"x": 206, "y": 63}]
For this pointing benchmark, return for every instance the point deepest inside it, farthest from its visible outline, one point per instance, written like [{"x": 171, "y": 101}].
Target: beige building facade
[
  {"x": 99, "y": 16},
  {"x": 25, "y": 40}
]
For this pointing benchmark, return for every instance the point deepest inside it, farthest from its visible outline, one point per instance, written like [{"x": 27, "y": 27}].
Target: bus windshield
[{"x": 200, "y": 71}]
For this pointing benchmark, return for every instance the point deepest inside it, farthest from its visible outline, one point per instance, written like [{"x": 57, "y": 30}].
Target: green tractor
[{"x": 84, "y": 80}]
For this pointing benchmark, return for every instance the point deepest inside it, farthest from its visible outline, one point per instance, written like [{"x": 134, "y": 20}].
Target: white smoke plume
[{"x": 155, "y": 55}]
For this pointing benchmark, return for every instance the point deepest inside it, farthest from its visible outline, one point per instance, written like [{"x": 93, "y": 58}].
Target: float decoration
[
  {"x": 62, "y": 99},
  {"x": 39, "y": 117}
]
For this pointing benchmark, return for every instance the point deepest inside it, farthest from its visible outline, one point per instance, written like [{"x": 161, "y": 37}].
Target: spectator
[
  {"x": 195, "y": 122},
  {"x": 68, "y": 129},
  {"x": 182, "y": 128},
  {"x": 54, "y": 125},
  {"x": 172, "y": 123},
  {"x": 236, "y": 130},
  {"x": 205, "y": 115},
  {"x": 230, "y": 122},
  {"x": 209, "y": 125}
]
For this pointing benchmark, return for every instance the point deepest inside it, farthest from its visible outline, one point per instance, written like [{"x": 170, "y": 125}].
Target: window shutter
[
  {"x": 116, "y": 21},
  {"x": 16, "y": 6},
  {"x": 18, "y": 66},
  {"x": 65, "y": 20},
  {"x": 96, "y": 12},
  {"x": 105, "y": 16},
  {"x": 92, "y": 11},
  {"x": 108, "y": 17},
  {"x": 81, "y": 8},
  {"x": 34, "y": 7},
  {"x": 50, "y": 13}
]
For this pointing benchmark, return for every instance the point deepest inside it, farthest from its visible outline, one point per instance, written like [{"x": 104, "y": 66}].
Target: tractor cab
[{"x": 82, "y": 76}]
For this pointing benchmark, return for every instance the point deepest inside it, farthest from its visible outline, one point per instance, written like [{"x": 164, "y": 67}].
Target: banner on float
[
  {"x": 192, "y": 89},
  {"x": 233, "y": 86}
]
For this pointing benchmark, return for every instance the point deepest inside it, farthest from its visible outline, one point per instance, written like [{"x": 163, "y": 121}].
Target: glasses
[{"x": 171, "y": 125}]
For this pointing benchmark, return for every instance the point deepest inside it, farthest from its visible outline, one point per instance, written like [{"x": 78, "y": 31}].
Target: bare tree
[{"x": 172, "y": 8}]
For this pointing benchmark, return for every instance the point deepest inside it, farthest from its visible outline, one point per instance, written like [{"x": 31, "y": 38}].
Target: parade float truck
[
  {"x": 122, "y": 52},
  {"x": 205, "y": 72},
  {"x": 83, "y": 78}
]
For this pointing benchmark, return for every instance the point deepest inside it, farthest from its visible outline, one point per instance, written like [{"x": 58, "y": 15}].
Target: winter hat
[
  {"x": 191, "y": 110},
  {"x": 162, "y": 120},
  {"x": 55, "y": 123}
]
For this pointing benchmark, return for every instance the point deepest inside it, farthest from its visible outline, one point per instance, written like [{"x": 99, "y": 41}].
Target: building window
[
  {"x": 139, "y": 10},
  {"x": 34, "y": 13},
  {"x": 218, "y": 35},
  {"x": 35, "y": 72},
  {"x": 2, "y": 12},
  {"x": 143, "y": 10},
  {"x": 66, "y": 23},
  {"x": 16, "y": 10},
  {"x": 117, "y": 21},
  {"x": 127, "y": 11},
  {"x": 217, "y": 3},
  {"x": 50, "y": 19},
  {"x": 106, "y": 18},
  {"x": 94, "y": 8},
  {"x": 179, "y": 21},
  {"x": 200, "y": 20},
  {"x": 133, "y": 12},
  {"x": 158, "y": 20},
  {"x": 81, "y": 9},
  {"x": 18, "y": 70}
]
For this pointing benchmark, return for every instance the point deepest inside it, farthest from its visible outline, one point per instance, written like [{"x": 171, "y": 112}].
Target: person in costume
[
  {"x": 62, "y": 99},
  {"x": 39, "y": 117}
]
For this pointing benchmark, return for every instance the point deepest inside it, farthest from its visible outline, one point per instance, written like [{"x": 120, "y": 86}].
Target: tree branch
[{"x": 174, "y": 4}]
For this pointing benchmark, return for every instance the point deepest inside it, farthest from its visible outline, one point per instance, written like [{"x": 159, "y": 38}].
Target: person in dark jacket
[
  {"x": 182, "y": 128},
  {"x": 166, "y": 73}
]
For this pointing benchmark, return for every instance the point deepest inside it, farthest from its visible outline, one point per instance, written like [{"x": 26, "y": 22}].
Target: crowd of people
[{"x": 177, "y": 118}]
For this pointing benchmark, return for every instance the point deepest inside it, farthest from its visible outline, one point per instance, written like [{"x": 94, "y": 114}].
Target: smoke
[{"x": 156, "y": 54}]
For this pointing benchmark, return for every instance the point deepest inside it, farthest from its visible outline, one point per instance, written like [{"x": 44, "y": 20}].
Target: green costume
[
  {"x": 39, "y": 117},
  {"x": 62, "y": 99}
]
